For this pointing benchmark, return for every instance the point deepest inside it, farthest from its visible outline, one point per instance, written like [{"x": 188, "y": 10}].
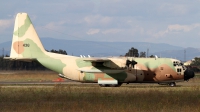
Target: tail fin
[{"x": 25, "y": 42}]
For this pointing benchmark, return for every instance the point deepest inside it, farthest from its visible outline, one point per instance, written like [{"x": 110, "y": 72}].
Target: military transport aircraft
[{"x": 107, "y": 72}]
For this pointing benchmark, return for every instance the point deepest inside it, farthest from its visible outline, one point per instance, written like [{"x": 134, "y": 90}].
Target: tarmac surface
[
  {"x": 72, "y": 83},
  {"x": 9, "y": 74}
]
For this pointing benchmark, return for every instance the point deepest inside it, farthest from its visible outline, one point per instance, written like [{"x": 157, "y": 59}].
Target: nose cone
[{"x": 188, "y": 74}]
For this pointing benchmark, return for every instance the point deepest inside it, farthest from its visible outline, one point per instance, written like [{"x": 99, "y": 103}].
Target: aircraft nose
[{"x": 188, "y": 74}]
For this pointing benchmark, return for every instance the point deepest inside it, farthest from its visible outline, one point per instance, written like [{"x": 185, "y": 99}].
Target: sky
[{"x": 175, "y": 22}]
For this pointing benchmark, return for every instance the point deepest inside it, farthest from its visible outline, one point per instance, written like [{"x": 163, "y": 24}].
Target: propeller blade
[
  {"x": 128, "y": 63},
  {"x": 133, "y": 63}
]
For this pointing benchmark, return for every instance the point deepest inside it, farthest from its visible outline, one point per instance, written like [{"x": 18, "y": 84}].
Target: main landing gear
[{"x": 110, "y": 85}]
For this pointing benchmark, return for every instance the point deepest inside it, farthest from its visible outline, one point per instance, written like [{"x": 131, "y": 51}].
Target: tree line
[
  {"x": 133, "y": 52},
  {"x": 34, "y": 65},
  {"x": 195, "y": 64}
]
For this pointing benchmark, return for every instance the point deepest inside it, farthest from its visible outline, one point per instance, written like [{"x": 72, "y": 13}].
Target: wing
[{"x": 110, "y": 65}]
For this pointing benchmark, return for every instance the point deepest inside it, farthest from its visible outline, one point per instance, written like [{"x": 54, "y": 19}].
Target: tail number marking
[{"x": 26, "y": 45}]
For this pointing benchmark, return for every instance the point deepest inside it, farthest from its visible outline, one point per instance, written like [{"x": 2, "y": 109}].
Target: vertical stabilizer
[{"x": 25, "y": 42}]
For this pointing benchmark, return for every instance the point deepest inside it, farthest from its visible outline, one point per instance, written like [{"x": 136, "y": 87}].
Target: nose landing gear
[{"x": 172, "y": 84}]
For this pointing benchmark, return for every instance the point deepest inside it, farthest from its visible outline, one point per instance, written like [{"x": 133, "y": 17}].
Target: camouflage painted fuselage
[
  {"x": 146, "y": 70},
  {"x": 26, "y": 46}
]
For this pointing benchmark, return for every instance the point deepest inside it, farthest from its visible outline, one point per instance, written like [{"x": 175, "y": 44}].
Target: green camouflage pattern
[{"x": 26, "y": 45}]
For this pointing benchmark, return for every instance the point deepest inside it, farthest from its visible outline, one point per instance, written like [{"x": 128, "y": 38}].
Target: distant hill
[
  {"x": 77, "y": 48},
  {"x": 179, "y": 54}
]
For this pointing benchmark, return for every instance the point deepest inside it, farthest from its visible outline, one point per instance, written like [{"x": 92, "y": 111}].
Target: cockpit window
[
  {"x": 180, "y": 66},
  {"x": 174, "y": 63},
  {"x": 179, "y": 70},
  {"x": 177, "y": 63}
]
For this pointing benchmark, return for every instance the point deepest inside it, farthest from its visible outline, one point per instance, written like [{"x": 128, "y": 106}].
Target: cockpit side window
[
  {"x": 174, "y": 63},
  {"x": 179, "y": 69}
]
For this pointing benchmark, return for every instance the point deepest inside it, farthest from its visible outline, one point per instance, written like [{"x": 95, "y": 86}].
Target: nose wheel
[{"x": 172, "y": 84}]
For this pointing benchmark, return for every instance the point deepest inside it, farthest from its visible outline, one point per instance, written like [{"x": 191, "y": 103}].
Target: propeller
[{"x": 128, "y": 63}]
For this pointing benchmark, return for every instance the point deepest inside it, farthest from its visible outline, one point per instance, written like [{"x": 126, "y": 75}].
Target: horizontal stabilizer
[{"x": 20, "y": 59}]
